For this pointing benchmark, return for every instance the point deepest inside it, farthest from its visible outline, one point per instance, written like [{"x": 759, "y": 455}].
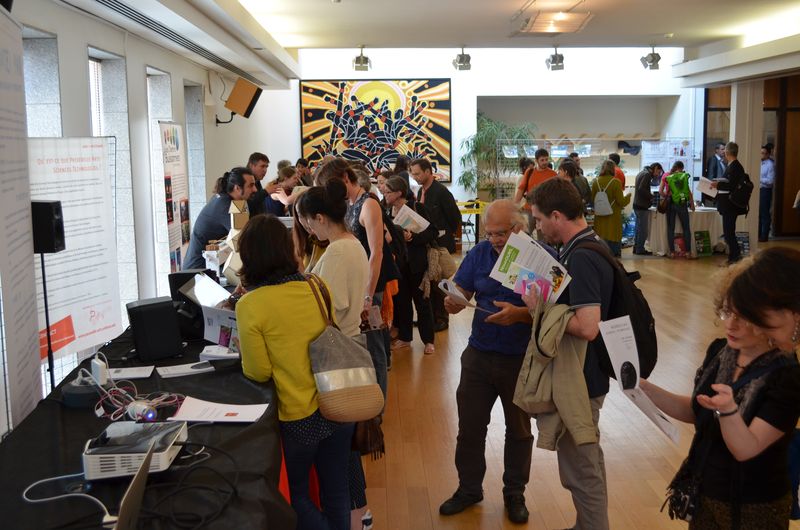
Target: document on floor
[
  {"x": 621, "y": 346},
  {"x": 193, "y": 409},
  {"x": 181, "y": 370},
  {"x": 220, "y": 327},
  {"x": 450, "y": 288},
  {"x": 410, "y": 220},
  {"x": 523, "y": 253},
  {"x": 704, "y": 186}
]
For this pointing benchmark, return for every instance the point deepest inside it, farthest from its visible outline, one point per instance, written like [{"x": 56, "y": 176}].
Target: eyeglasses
[
  {"x": 500, "y": 234},
  {"x": 726, "y": 314}
]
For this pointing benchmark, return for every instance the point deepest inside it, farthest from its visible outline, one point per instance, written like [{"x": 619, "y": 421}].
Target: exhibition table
[
  {"x": 699, "y": 220},
  {"x": 50, "y": 441}
]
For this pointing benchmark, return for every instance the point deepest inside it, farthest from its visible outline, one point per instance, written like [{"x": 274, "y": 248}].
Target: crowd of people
[{"x": 744, "y": 405}]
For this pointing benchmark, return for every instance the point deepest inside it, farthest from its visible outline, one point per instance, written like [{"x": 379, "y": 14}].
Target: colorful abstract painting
[{"x": 374, "y": 121}]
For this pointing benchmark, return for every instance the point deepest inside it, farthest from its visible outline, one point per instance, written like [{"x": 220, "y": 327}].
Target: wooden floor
[{"x": 418, "y": 473}]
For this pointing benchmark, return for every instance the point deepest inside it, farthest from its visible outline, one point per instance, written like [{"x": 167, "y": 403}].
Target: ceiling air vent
[{"x": 143, "y": 20}]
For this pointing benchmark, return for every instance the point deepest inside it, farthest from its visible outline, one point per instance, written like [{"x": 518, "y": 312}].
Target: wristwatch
[{"x": 719, "y": 414}]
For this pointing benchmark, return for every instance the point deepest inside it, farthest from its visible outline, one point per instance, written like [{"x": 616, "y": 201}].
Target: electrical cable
[
  {"x": 193, "y": 519},
  {"x": 108, "y": 519}
]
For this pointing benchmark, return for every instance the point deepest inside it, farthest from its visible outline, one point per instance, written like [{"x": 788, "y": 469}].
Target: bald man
[{"x": 489, "y": 368}]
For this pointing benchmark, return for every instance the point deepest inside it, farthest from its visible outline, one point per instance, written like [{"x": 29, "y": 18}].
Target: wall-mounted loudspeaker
[
  {"x": 243, "y": 98},
  {"x": 48, "y": 227},
  {"x": 7, "y": 4}
]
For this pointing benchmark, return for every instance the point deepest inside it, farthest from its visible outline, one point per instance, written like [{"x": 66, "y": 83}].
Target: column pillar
[{"x": 747, "y": 129}]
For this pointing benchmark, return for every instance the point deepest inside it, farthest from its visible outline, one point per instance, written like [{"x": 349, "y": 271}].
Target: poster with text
[
  {"x": 18, "y": 348},
  {"x": 176, "y": 192},
  {"x": 82, "y": 280}
]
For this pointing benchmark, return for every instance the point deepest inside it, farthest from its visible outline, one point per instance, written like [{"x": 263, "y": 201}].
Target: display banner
[
  {"x": 82, "y": 281},
  {"x": 176, "y": 192},
  {"x": 18, "y": 347}
]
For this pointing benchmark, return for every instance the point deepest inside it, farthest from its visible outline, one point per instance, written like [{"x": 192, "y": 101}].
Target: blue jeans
[
  {"x": 642, "y": 230},
  {"x": 683, "y": 214},
  {"x": 330, "y": 457},
  {"x": 764, "y": 212}
]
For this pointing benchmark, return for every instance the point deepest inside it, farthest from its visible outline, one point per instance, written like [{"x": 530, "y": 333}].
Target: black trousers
[
  {"x": 440, "y": 314},
  {"x": 729, "y": 232},
  {"x": 408, "y": 291},
  {"x": 485, "y": 376}
]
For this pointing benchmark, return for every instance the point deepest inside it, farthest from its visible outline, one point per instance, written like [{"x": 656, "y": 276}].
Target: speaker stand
[{"x": 50, "y": 364}]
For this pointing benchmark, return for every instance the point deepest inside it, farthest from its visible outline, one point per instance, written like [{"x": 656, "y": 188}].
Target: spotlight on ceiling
[
  {"x": 461, "y": 62},
  {"x": 651, "y": 60},
  {"x": 555, "y": 61},
  {"x": 361, "y": 63}
]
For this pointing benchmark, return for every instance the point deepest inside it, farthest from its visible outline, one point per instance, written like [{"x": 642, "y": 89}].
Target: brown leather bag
[
  {"x": 663, "y": 205},
  {"x": 368, "y": 438}
]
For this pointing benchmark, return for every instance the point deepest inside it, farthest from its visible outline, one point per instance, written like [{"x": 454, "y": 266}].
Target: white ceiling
[{"x": 487, "y": 23}]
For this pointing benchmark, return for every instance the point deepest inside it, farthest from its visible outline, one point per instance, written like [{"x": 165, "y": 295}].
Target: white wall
[
  {"x": 516, "y": 72},
  {"x": 75, "y": 32},
  {"x": 578, "y": 115}
]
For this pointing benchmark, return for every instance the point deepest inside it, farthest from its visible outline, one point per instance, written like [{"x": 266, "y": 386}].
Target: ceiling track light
[
  {"x": 361, "y": 63},
  {"x": 555, "y": 61},
  {"x": 461, "y": 62},
  {"x": 650, "y": 61}
]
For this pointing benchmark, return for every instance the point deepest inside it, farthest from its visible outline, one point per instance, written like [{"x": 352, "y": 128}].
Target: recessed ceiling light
[{"x": 553, "y": 22}]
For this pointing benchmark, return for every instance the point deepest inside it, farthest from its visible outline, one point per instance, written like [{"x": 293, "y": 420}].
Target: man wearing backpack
[
  {"x": 732, "y": 181},
  {"x": 680, "y": 201},
  {"x": 558, "y": 210}
]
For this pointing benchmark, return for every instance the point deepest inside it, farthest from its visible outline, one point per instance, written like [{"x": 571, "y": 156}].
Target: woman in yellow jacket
[
  {"x": 609, "y": 227},
  {"x": 277, "y": 320}
]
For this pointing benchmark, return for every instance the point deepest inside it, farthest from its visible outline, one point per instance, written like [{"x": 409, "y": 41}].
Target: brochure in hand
[{"x": 522, "y": 253}]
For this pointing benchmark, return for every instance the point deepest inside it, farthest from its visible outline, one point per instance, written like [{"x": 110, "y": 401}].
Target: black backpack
[
  {"x": 627, "y": 299},
  {"x": 741, "y": 192}
]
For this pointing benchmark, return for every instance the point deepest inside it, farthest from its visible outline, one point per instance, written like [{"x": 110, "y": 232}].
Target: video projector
[{"x": 123, "y": 446}]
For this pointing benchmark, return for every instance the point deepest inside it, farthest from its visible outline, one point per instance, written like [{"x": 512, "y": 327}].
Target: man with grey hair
[{"x": 501, "y": 329}]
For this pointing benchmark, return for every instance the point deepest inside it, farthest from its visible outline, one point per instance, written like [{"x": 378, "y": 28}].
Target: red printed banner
[{"x": 61, "y": 334}]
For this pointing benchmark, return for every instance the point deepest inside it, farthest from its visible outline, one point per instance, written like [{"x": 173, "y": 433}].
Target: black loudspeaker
[
  {"x": 7, "y": 4},
  {"x": 243, "y": 98},
  {"x": 154, "y": 325},
  {"x": 48, "y": 227}
]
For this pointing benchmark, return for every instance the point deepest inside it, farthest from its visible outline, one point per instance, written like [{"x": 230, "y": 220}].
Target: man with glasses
[{"x": 501, "y": 329}]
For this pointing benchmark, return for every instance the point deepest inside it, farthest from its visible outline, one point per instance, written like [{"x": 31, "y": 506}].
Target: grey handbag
[{"x": 346, "y": 383}]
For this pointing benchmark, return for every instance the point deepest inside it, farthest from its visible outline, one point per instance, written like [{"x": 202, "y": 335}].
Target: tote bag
[{"x": 347, "y": 386}]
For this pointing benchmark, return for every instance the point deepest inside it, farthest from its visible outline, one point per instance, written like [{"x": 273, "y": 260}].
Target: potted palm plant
[{"x": 480, "y": 162}]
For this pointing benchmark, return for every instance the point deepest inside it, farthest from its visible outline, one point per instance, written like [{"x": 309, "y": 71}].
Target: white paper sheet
[
  {"x": 194, "y": 409},
  {"x": 704, "y": 186},
  {"x": 137, "y": 372},
  {"x": 184, "y": 369},
  {"x": 218, "y": 353},
  {"x": 204, "y": 291},
  {"x": 410, "y": 220},
  {"x": 522, "y": 252},
  {"x": 620, "y": 342},
  {"x": 450, "y": 288}
]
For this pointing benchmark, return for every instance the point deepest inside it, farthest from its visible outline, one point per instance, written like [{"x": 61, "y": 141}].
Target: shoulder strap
[
  {"x": 313, "y": 280},
  {"x": 610, "y": 181}
]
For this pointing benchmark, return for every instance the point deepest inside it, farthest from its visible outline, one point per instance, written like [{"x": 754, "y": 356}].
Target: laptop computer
[{"x": 131, "y": 503}]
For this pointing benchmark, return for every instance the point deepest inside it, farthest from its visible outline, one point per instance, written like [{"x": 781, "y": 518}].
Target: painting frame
[{"x": 387, "y": 118}]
